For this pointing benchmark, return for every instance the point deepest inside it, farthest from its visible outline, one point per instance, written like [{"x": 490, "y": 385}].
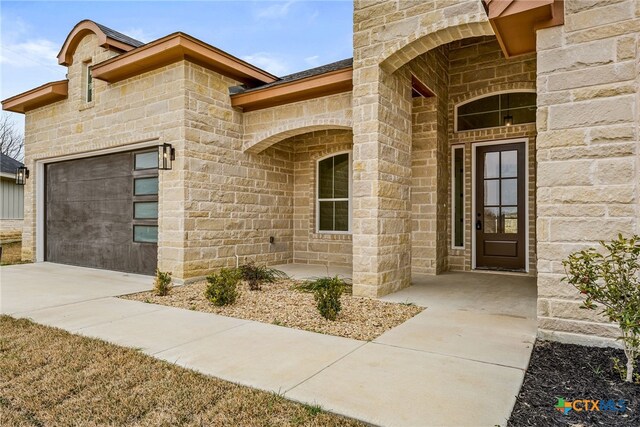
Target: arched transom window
[
  {"x": 333, "y": 194},
  {"x": 502, "y": 109}
]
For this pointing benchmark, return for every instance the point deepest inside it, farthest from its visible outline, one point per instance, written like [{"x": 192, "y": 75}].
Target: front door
[{"x": 500, "y": 207}]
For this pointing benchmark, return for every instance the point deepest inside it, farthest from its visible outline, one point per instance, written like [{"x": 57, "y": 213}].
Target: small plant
[
  {"x": 612, "y": 279},
  {"x": 320, "y": 282},
  {"x": 223, "y": 287},
  {"x": 256, "y": 275},
  {"x": 327, "y": 292},
  {"x": 313, "y": 410},
  {"x": 162, "y": 284}
]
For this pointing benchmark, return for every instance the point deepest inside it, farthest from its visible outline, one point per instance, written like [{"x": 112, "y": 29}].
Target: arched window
[
  {"x": 333, "y": 194},
  {"x": 502, "y": 109}
]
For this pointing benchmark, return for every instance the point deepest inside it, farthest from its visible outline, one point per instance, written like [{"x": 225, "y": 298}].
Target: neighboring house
[
  {"x": 11, "y": 200},
  {"x": 468, "y": 135}
]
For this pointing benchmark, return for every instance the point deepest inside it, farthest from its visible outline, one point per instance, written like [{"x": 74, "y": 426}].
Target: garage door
[{"x": 102, "y": 212}]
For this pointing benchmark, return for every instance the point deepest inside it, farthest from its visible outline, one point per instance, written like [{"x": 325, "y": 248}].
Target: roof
[
  {"x": 119, "y": 36},
  {"x": 8, "y": 164},
  {"x": 323, "y": 69}
]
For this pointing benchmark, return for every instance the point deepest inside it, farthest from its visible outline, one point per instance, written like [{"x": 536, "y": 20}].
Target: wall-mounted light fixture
[
  {"x": 21, "y": 175},
  {"x": 508, "y": 119},
  {"x": 166, "y": 156}
]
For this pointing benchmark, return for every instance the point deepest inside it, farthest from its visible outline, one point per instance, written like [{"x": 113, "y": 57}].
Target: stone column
[{"x": 381, "y": 180}]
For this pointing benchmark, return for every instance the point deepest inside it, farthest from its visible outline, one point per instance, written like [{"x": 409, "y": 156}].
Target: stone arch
[
  {"x": 261, "y": 141},
  {"x": 431, "y": 36},
  {"x": 82, "y": 29}
]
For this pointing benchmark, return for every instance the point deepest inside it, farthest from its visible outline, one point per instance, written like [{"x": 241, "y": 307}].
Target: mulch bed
[
  {"x": 277, "y": 303},
  {"x": 574, "y": 372}
]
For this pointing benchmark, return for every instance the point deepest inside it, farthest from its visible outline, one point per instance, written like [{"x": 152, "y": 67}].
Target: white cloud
[
  {"x": 274, "y": 11},
  {"x": 139, "y": 34},
  {"x": 268, "y": 62},
  {"x": 312, "y": 60},
  {"x": 30, "y": 53}
]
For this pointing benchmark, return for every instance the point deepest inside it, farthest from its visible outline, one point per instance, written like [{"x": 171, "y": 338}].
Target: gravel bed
[{"x": 277, "y": 303}]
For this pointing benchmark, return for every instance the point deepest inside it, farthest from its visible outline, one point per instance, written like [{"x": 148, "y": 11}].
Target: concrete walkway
[{"x": 459, "y": 363}]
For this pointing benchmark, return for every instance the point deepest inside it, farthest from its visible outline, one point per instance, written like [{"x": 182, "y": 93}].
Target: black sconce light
[
  {"x": 508, "y": 119},
  {"x": 166, "y": 156},
  {"x": 21, "y": 175}
]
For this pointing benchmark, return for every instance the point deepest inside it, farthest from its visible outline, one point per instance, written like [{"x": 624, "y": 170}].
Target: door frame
[
  {"x": 474, "y": 146},
  {"x": 40, "y": 185}
]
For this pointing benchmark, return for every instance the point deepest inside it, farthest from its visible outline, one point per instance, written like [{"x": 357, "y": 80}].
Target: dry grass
[
  {"x": 11, "y": 253},
  {"x": 49, "y": 377},
  {"x": 360, "y": 318}
]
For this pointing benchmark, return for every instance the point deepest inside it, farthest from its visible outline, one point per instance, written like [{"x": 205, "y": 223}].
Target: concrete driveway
[{"x": 459, "y": 363}]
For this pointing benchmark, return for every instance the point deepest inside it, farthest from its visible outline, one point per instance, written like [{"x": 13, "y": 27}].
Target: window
[
  {"x": 145, "y": 197},
  {"x": 89, "y": 80},
  {"x": 457, "y": 197},
  {"x": 502, "y": 109},
  {"x": 333, "y": 208}
]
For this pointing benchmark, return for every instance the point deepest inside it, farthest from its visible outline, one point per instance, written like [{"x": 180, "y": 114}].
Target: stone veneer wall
[
  {"x": 429, "y": 172},
  {"x": 235, "y": 201},
  {"x": 478, "y": 67},
  {"x": 588, "y": 150},
  {"x": 310, "y": 247},
  {"x": 146, "y": 107},
  {"x": 388, "y": 35}
]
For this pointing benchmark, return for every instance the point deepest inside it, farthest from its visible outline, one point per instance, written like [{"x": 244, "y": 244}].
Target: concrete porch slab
[
  {"x": 259, "y": 355},
  {"x": 392, "y": 386},
  {"x": 499, "y": 339},
  {"x": 310, "y": 271}
]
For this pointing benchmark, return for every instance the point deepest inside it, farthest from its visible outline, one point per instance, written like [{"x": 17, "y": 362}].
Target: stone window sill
[{"x": 86, "y": 105}]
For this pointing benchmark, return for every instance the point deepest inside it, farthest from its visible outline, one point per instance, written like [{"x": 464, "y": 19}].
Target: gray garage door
[{"x": 102, "y": 212}]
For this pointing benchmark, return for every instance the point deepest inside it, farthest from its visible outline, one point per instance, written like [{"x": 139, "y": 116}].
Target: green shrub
[
  {"x": 223, "y": 287},
  {"x": 327, "y": 292},
  {"x": 320, "y": 282},
  {"x": 612, "y": 278},
  {"x": 162, "y": 284},
  {"x": 256, "y": 275}
]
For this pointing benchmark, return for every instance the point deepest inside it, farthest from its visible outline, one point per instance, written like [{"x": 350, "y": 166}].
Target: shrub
[
  {"x": 256, "y": 275},
  {"x": 327, "y": 292},
  {"x": 223, "y": 287},
  {"x": 162, "y": 284},
  {"x": 612, "y": 278},
  {"x": 319, "y": 282}
]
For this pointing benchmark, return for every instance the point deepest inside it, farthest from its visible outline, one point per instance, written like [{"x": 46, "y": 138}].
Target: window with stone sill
[{"x": 333, "y": 194}]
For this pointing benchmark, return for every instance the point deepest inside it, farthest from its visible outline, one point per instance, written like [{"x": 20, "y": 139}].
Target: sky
[{"x": 281, "y": 37}]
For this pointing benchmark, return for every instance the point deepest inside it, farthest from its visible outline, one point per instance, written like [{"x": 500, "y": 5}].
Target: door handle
[{"x": 478, "y": 225}]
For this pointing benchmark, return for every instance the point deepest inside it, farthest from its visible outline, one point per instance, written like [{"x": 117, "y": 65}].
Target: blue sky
[{"x": 280, "y": 36}]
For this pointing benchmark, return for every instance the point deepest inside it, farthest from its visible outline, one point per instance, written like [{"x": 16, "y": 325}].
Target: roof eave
[
  {"x": 173, "y": 48},
  {"x": 331, "y": 83},
  {"x": 515, "y": 22},
  {"x": 38, "y": 97}
]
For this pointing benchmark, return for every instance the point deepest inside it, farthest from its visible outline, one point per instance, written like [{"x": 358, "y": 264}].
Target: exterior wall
[
  {"x": 142, "y": 108},
  {"x": 234, "y": 200},
  {"x": 478, "y": 67},
  {"x": 388, "y": 35},
  {"x": 429, "y": 174},
  {"x": 263, "y": 128},
  {"x": 11, "y": 200},
  {"x": 587, "y": 150},
  {"x": 310, "y": 247}
]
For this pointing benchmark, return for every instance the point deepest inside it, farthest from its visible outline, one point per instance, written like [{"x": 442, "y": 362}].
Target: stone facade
[
  {"x": 309, "y": 246},
  {"x": 242, "y": 179},
  {"x": 588, "y": 150}
]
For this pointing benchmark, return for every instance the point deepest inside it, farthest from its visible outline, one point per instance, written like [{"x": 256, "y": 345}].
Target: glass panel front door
[{"x": 500, "y": 215}]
